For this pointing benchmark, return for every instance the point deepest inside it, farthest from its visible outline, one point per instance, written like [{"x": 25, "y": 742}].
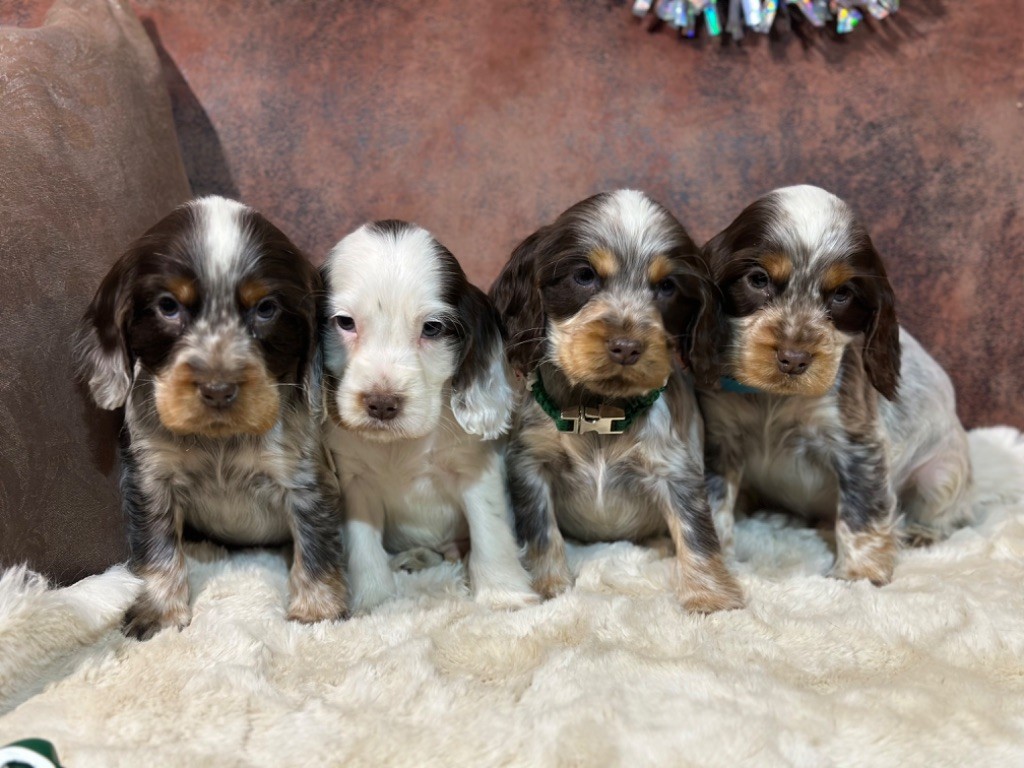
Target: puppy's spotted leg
[
  {"x": 368, "y": 566},
  {"x": 723, "y": 490},
  {"x": 154, "y": 536},
  {"x": 866, "y": 541},
  {"x": 164, "y": 599},
  {"x": 317, "y": 579},
  {"x": 704, "y": 583},
  {"x": 537, "y": 527},
  {"x": 497, "y": 576}
]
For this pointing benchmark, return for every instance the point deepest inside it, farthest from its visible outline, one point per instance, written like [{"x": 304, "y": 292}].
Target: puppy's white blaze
[
  {"x": 385, "y": 269},
  {"x": 223, "y": 239},
  {"x": 628, "y": 305},
  {"x": 818, "y": 220},
  {"x": 626, "y": 217}
]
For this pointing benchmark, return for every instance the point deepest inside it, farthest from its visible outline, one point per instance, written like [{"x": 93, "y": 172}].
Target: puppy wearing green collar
[{"x": 608, "y": 318}]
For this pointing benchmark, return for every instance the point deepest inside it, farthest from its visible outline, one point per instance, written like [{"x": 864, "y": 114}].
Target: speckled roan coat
[
  {"x": 215, "y": 296},
  {"x": 868, "y": 434},
  {"x": 614, "y": 268}
]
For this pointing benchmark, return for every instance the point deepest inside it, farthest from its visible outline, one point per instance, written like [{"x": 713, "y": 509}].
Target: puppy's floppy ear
[
  {"x": 101, "y": 355},
  {"x": 881, "y": 328},
  {"x": 707, "y": 334},
  {"x": 704, "y": 327},
  {"x": 882, "y": 340},
  {"x": 482, "y": 394},
  {"x": 717, "y": 253},
  {"x": 313, "y": 370},
  {"x": 516, "y": 296}
]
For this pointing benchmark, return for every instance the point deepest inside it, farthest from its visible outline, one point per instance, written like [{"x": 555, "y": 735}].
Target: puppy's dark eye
[
  {"x": 345, "y": 322},
  {"x": 585, "y": 276},
  {"x": 267, "y": 310},
  {"x": 665, "y": 289},
  {"x": 169, "y": 307},
  {"x": 758, "y": 279},
  {"x": 841, "y": 296},
  {"x": 432, "y": 329}
]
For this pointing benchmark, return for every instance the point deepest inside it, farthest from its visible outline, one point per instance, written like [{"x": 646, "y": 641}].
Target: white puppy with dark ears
[{"x": 418, "y": 396}]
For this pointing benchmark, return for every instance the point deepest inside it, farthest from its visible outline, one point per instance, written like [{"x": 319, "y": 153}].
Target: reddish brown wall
[{"x": 481, "y": 120}]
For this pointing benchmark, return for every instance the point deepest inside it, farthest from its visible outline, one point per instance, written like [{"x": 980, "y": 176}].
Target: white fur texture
[
  {"x": 814, "y": 672},
  {"x": 42, "y": 630},
  {"x": 390, "y": 285}
]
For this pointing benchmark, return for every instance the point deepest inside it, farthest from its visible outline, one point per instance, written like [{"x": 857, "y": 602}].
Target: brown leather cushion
[{"x": 89, "y": 161}]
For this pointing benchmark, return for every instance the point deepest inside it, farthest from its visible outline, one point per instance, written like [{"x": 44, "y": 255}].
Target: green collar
[{"x": 603, "y": 419}]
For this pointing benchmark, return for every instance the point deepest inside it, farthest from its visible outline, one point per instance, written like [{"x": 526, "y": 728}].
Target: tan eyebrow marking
[
  {"x": 183, "y": 289},
  {"x": 837, "y": 274},
  {"x": 659, "y": 269},
  {"x": 779, "y": 267},
  {"x": 252, "y": 291},
  {"x": 604, "y": 262}
]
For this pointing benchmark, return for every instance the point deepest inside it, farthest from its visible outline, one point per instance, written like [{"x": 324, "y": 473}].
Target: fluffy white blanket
[{"x": 814, "y": 672}]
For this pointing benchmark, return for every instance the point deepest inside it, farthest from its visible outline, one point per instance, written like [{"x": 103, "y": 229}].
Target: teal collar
[
  {"x": 731, "y": 385},
  {"x": 603, "y": 419}
]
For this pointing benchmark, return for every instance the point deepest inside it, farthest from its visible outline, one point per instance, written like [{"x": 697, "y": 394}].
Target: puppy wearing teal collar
[{"x": 826, "y": 407}]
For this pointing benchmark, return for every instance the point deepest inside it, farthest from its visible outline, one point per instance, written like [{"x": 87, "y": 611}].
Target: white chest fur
[
  {"x": 420, "y": 483},
  {"x": 234, "y": 490},
  {"x": 605, "y": 489},
  {"x": 781, "y": 445}
]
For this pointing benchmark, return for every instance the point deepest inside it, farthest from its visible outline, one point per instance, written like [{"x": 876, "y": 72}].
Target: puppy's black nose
[
  {"x": 218, "y": 394},
  {"x": 624, "y": 351},
  {"x": 793, "y": 361},
  {"x": 382, "y": 407}
]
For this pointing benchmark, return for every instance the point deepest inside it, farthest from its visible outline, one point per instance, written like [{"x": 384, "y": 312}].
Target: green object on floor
[{"x": 29, "y": 753}]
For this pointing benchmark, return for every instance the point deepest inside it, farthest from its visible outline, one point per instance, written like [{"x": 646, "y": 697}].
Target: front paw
[
  {"x": 878, "y": 570},
  {"x": 711, "y": 589},
  {"x": 143, "y": 620},
  {"x": 713, "y": 600},
  {"x": 552, "y": 583},
  {"x": 866, "y": 554},
  {"x": 314, "y": 601}
]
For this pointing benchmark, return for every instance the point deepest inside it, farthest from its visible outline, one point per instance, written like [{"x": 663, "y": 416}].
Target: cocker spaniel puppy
[
  {"x": 206, "y": 332},
  {"x": 418, "y": 395},
  {"x": 604, "y": 308},
  {"x": 813, "y": 414}
]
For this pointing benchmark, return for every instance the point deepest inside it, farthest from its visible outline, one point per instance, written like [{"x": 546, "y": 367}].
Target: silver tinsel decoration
[{"x": 759, "y": 15}]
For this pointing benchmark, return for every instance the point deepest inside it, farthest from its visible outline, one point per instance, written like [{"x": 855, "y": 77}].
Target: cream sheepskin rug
[{"x": 814, "y": 672}]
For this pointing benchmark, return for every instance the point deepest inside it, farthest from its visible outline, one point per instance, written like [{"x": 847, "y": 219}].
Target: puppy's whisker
[{"x": 514, "y": 344}]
